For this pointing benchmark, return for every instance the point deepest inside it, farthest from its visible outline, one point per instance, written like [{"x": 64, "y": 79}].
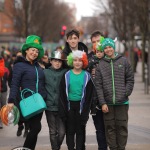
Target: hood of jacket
[{"x": 114, "y": 59}]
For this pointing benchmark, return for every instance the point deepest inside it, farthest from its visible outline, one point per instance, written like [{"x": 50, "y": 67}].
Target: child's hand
[
  {"x": 105, "y": 108},
  {"x": 45, "y": 59},
  {"x": 10, "y": 106}
]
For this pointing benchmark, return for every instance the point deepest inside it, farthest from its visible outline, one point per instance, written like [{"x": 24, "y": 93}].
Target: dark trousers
[
  {"x": 56, "y": 129},
  {"x": 74, "y": 127},
  {"x": 35, "y": 128},
  {"x": 23, "y": 123},
  {"x": 100, "y": 130},
  {"x": 116, "y": 126}
]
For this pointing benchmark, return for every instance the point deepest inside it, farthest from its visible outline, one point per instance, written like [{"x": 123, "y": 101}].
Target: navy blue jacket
[{"x": 24, "y": 76}]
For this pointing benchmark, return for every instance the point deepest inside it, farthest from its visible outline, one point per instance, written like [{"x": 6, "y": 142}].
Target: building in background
[{"x": 7, "y": 31}]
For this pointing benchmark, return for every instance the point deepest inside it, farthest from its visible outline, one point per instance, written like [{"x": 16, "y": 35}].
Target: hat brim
[
  {"x": 33, "y": 45},
  {"x": 57, "y": 58}
]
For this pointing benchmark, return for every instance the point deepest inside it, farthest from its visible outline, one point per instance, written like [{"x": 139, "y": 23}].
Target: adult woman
[{"x": 25, "y": 76}]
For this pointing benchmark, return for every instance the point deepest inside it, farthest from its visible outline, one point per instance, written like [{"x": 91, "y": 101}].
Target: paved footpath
[{"x": 139, "y": 125}]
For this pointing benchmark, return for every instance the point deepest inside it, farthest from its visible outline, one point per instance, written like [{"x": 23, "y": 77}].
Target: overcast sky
[{"x": 84, "y": 7}]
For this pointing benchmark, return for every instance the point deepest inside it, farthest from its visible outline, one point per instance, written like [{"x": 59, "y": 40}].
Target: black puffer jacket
[
  {"x": 67, "y": 50},
  {"x": 86, "y": 100},
  {"x": 24, "y": 76},
  {"x": 114, "y": 80}
]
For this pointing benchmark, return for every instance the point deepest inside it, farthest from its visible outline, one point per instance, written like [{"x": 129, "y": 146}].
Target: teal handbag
[{"x": 33, "y": 104}]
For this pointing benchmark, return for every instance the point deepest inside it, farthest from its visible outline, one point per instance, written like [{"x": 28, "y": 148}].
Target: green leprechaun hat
[{"x": 33, "y": 41}]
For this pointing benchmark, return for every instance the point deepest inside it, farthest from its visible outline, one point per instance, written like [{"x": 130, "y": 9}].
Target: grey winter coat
[{"x": 114, "y": 80}]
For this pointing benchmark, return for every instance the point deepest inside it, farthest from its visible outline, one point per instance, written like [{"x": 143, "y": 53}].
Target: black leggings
[{"x": 35, "y": 128}]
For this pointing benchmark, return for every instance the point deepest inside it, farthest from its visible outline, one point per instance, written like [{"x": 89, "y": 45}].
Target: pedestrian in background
[
  {"x": 76, "y": 90},
  {"x": 25, "y": 76},
  {"x": 53, "y": 77},
  {"x": 2, "y": 71},
  {"x": 114, "y": 81},
  {"x": 4, "y": 90}
]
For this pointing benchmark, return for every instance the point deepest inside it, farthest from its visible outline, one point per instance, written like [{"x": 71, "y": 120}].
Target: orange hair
[{"x": 85, "y": 60}]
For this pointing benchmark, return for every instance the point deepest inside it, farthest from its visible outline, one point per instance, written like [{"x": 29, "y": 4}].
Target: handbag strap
[
  {"x": 25, "y": 91},
  {"x": 37, "y": 81},
  {"x": 28, "y": 90}
]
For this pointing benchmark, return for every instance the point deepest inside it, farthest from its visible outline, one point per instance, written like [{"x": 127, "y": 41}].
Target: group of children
[
  {"x": 76, "y": 85},
  {"x": 103, "y": 83}
]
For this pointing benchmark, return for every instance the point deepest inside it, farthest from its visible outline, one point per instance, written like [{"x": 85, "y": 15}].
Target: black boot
[
  {"x": 25, "y": 133},
  {"x": 19, "y": 131}
]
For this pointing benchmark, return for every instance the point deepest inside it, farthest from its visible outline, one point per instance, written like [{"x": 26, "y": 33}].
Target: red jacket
[{"x": 2, "y": 69}]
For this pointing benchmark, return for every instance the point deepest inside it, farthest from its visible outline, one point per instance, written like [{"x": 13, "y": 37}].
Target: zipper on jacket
[{"x": 113, "y": 82}]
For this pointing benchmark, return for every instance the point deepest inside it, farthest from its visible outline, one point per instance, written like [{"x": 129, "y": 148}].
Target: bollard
[{"x": 146, "y": 79}]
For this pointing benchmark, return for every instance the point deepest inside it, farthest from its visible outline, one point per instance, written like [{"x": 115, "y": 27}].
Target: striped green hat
[{"x": 108, "y": 42}]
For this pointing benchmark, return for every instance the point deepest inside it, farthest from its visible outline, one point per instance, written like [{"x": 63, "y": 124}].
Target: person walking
[
  {"x": 25, "y": 76},
  {"x": 76, "y": 90},
  {"x": 4, "y": 90},
  {"x": 114, "y": 81},
  {"x": 2, "y": 71},
  {"x": 96, "y": 111},
  {"x": 22, "y": 123},
  {"x": 53, "y": 77},
  {"x": 72, "y": 44}
]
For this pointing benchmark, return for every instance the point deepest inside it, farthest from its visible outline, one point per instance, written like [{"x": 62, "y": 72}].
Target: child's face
[
  {"x": 56, "y": 63},
  {"x": 99, "y": 54},
  {"x": 77, "y": 63},
  {"x": 109, "y": 51}
]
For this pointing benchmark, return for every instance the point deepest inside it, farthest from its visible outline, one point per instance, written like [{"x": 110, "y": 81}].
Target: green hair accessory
[
  {"x": 70, "y": 60},
  {"x": 99, "y": 45}
]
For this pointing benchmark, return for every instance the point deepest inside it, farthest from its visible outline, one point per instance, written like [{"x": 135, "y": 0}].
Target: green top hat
[{"x": 35, "y": 42}]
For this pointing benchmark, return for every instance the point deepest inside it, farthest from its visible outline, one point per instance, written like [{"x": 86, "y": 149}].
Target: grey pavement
[{"x": 139, "y": 125}]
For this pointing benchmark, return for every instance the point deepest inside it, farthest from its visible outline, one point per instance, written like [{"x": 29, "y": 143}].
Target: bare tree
[
  {"x": 43, "y": 18},
  {"x": 126, "y": 15},
  {"x": 51, "y": 16}
]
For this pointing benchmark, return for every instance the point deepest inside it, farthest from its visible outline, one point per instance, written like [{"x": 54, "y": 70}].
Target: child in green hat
[{"x": 114, "y": 81}]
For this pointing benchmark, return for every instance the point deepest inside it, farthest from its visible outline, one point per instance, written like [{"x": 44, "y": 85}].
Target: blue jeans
[
  {"x": 56, "y": 129},
  {"x": 100, "y": 130}
]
